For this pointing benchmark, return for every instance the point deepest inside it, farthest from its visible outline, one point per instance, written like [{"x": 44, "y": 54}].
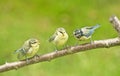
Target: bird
[
  {"x": 28, "y": 49},
  {"x": 85, "y": 33},
  {"x": 59, "y": 38}
]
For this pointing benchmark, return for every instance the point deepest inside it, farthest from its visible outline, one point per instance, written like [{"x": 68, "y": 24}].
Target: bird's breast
[
  {"x": 32, "y": 51},
  {"x": 84, "y": 38},
  {"x": 60, "y": 40}
]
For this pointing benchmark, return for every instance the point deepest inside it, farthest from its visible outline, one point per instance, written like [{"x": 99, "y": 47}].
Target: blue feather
[
  {"x": 19, "y": 50},
  {"x": 92, "y": 29},
  {"x": 95, "y": 27}
]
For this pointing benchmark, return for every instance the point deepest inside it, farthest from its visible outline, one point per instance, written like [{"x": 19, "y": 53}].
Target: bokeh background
[{"x": 24, "y": 19}]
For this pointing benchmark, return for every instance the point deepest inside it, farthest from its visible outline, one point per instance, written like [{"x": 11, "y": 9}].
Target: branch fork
[{"x": 67, "y": 51}]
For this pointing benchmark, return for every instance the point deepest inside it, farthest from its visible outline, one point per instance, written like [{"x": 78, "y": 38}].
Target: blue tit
[
  {"x": 85, "y": 32},
  {"x": 29, "y": 49},
  {"x": 59, "y": 38}
]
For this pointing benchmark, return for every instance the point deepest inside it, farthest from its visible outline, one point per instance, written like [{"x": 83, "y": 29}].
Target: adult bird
[{"x": 85, "y": 32}]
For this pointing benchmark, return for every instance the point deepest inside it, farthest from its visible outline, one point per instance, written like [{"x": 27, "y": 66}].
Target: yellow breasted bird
[
  {"x": 29, "y": 49},
  {"x": 59, "y": 38}
]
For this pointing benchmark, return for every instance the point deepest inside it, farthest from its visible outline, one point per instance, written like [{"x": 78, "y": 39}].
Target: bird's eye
[
  {"x": 61, "y": 32},
  {"x": 34, "y": 42}
]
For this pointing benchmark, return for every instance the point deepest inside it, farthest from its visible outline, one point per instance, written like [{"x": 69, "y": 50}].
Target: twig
[
  {"x": 70, "y": 50},
  {"x": 116, "y": 23}
]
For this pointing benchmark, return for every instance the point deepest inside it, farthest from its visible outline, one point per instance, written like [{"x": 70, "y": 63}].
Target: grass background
[{"x": 23, "y": 19}]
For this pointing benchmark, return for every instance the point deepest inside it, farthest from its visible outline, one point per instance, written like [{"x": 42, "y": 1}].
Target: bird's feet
[
  {"x": 91, "y": 42},
  {"x": 27, "y": 61}
]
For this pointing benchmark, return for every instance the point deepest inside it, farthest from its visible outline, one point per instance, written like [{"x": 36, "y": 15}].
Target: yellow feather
[
  {"x": 84, "y": 38},
  {"x": 60, "y": 39},
  {"x": 32, "y": 51}
]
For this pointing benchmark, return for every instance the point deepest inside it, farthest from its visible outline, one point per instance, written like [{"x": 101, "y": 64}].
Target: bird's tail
[
  {"x": 16, "y": 51},
  {"x": 20, "y": 53},
  {"x": 96, "y": 26}
]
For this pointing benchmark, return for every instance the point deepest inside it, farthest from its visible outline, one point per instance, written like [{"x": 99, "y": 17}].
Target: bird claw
[
  {"x": 36, "y": 55},
  {"x": 56, "y": 50},
  {"x": 91, "y": 42},
  {"x": 27, "y": 61},
  {"x": 107, "y": 44}
]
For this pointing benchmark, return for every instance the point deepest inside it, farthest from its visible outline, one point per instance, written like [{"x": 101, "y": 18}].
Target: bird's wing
[
  {"x": 92, "y": 29},
  {"x": 22, "y": 52},
  {"x": 87, "y": 31},
  {"x": 88, "y": 27},
  {"x": 26, "y": 48},
  {"x": 52, "y": 37},
  {"x": 17, "y": 51},
  {"x": 20, "y": 55}
]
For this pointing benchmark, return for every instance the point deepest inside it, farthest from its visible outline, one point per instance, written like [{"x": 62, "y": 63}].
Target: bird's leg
[
  {"x": 66, "y": 46},
  {"x": 76, "y": 43},
  {"x": 56, "y": 48},
  {"x": 26, "y": 60},
  {"x": 36, "y": 55},
  {"x": 91, "y": 41}
]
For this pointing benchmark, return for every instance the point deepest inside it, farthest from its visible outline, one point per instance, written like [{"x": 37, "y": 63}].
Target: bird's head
[
  {"x": 61, "y": 31},
  {"x": 33, "y": 42},
  {"x": 77, "y": 33}
]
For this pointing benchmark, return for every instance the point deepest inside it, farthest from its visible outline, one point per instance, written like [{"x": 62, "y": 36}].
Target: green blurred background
[{"x": 23, "y": 19}]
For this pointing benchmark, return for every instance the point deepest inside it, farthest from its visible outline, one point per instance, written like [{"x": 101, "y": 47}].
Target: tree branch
[
  {"x": 116, "y": 23},
  {"x": 70, "y": 50}
]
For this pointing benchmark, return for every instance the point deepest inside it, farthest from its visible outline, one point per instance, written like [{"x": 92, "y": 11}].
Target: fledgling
[
  {"x": 29, "y": 49},
  {"x": 85, "y": 32},
  {"x": 59, "y": 38}
]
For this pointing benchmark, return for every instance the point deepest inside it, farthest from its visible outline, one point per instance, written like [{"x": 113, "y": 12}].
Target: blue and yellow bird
[
  {"x": 85, "y": 32},
  {"x": 29, "y": 49}
]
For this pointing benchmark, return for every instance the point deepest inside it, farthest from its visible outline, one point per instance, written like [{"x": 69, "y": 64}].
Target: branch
[
  {"x": 116, "y": 23},
  {"x": 67, "y": 51}
]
